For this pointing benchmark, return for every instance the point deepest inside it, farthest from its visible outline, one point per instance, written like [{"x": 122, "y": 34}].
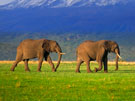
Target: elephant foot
[
  {"x": 77, "y": 71},
  {"x": 89, "y": 71},
  {"x": 96, "y": 69},
  {"x": 12, "y": 70},
  {"x": 38, "y": 70},
  {"x": 105, "y": 71},
  {"x": 53, "y": 70},
  {"x": 27, "y": 70}
]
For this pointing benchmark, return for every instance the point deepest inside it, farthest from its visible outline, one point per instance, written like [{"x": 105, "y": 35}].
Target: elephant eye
[{"x": 115, "y": 48}]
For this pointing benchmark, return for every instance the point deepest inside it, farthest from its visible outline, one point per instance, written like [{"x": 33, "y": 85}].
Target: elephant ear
[
  {"x": 46, "y": 45},
  {"x": 106, "y": 45}
]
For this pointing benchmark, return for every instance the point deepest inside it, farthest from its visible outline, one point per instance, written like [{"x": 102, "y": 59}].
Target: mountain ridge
[
  {"x": 108, "y": 16},
  {"x": 92, "y": 19},
  {"x": 60, "y": 3}
]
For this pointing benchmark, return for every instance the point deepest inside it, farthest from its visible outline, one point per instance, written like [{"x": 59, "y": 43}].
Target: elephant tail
[{"x": 76, "y": 54}]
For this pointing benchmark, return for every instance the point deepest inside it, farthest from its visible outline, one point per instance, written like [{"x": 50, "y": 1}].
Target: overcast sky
[{"x": 2, "y": 2}]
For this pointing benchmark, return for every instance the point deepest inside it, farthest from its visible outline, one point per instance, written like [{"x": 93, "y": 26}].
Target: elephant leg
[
  {"x": 105, "y": 65},
  {"x": 79, "y": 62},
  {"x": 26, "y": 65},
  {"x": 18, "y": 59},
  {"x": 40, "y": 60},
  {"x": 14, "y": 65},
  {"x": 88, "y": 66},
  {"x": 49, "y": 60},
  {"x": 100, "y": 66}
]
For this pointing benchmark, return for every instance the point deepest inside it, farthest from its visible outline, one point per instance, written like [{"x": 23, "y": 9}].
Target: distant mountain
[
  {"x": 68, "y": 16},
  {"x": 70, "y": 21}
]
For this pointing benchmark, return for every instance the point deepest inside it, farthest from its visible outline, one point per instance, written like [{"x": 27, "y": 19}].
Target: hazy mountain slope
[
  {"x": 68, "y": 43},
  {"x": 92, "y": 19}
]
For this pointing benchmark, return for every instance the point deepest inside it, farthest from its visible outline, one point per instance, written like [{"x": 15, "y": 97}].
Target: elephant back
[{"x": 31, "y": 48}]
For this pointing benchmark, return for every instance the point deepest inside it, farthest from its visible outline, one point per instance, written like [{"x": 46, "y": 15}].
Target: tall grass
[{"x": 65, "y": 84}]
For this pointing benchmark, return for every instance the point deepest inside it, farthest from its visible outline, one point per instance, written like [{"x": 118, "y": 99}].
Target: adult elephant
[
  {"x": 29, "y": 49},
  {"x": 96, "y": 50}
]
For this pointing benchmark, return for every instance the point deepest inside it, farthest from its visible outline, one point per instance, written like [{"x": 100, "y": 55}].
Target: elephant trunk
[
  {"x": 59, "y": 51},
  {"x": 59, "y": 59},
  {"x": 117, "y": 51}
]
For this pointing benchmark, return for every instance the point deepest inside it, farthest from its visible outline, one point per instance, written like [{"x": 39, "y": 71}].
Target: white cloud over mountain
[
  {"x": 59, "y": 3},
  {"x": 3, "y": 2}
]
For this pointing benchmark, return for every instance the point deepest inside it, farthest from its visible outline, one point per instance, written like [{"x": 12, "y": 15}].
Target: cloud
[
  {"x": 4, "y": 2},
  {"x": 108, "y": 2},
  {"x": 58, "y": 3}
]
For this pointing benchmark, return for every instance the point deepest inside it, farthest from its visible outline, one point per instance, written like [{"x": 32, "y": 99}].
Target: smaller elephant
[
  {"x": 29, "y": 49},
  {"x": 96, "y": 50}
]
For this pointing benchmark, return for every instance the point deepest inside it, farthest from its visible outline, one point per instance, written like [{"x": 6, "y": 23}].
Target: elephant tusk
[
  {"x": 119, "y": 56},
  {"x": 62, "y": 53}
]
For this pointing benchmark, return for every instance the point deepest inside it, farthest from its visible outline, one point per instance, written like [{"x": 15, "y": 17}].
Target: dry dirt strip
[{"x": 36, "y": 62}]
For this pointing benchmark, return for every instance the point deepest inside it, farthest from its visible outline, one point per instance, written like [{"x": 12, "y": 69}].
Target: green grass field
[{"x": 65, "y": 84}]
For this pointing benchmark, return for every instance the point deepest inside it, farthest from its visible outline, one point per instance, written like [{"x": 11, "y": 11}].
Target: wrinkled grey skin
[
  {"x": 96, "y": 50},
  {"x": 29, "y": 49}
]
